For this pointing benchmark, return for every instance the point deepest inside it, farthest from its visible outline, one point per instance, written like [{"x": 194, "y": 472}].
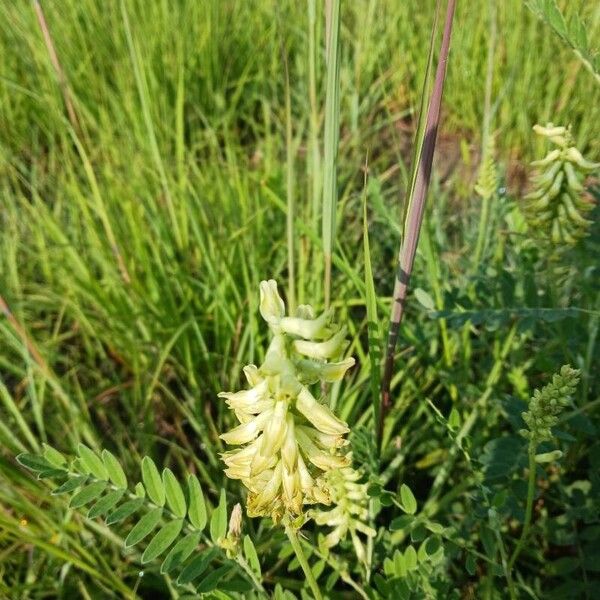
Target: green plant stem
[
  {"x": 240, "y": 560},
  {"x": 489, "y": 80},
  {"x": 312, "y": 582},
  {"x": 329, "y": 559},
  {"x": 528, "y": 507},
  {"x": 290, "y": 213},
  {"x": 331, "y": 139}
]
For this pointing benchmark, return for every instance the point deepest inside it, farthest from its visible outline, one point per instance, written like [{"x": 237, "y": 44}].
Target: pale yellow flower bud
[
  {"x": 271, "y": 306},
  {"x": 323, "y": 350},
  {"x": 313, "y": 371},
  {"x": 309, "y": 329},
  {"x": 252, "y": 401},
  {"x": 292, "y": 490},
  {"x": 235, "y": 522},
  {"x": 247, "y": 431},
  {"x": 321, "y": 459},
  {"x": 252, "y": 375},
  {"x": 305, "y": 311},
  {"x": 289, "y": 450},
  {"x": 324, "y": 440},
  {"x": 265, "y": 496},
  {"x": 319, "y": 414},
  {"x": 274, "y": 432}
]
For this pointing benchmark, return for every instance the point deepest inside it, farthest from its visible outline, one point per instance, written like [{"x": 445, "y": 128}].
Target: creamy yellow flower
[{"x": 288, "y": 440}]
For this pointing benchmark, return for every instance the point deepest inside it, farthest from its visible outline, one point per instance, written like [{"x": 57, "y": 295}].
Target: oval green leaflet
[
  {"x": 162, "y": 540},
  {"x": 152, "y": 481},
  {"x": 92, "y": 462},
  {"x": 143, "y": 527},
  {"x": 174, "y": 494}
]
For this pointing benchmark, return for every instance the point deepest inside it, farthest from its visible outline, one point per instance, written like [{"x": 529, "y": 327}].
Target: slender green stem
[
  {"x": 248, "y": 569},
  {"x": 291, "y": 209},
  {"x": 489, "y": 80},
  {"x": 310, "y": 578},
  {"x": 528, "y": 507},
  {"x": 331, "y": 139}
]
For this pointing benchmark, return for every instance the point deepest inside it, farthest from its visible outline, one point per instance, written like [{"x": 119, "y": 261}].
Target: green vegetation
[{"x": 158, "y": 160}]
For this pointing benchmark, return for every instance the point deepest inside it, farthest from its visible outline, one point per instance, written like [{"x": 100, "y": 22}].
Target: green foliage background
[{"x": 131, "y": 249}]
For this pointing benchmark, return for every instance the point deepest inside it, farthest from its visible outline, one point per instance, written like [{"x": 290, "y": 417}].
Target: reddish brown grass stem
[
  {"x": 414, "y": 217},
  {"x": 60, "y": 74}
]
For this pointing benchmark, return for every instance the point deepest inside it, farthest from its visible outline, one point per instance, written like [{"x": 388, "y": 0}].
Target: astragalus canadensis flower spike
[
  {"x": 543, "y": 413},
  {"x": 546, "y": 405},
  {"x": 556, "y": 207},
  {"x": 350, "y": 511},
  {"x": 287, "y": 440}
]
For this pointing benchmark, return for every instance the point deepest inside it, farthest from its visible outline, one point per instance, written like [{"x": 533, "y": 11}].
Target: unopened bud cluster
[
  {"x": 557, "y": 206},
  {"x": 287, "y": 439},
  {"x": 350, "y": 513},
  {"x": 546, "y": 405},
  {"x": 487, "y": 180}
]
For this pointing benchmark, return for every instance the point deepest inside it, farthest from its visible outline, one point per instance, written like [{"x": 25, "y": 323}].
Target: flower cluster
[
  {"x": 350, "y": 511},
  {"x": 547, "y": 404},
  {"x": 557, "y": 206},
  {"x": 287, "y": 439}
]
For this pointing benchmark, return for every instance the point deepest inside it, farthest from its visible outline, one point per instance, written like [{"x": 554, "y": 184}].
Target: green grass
[{"x": 131, "y": 251}]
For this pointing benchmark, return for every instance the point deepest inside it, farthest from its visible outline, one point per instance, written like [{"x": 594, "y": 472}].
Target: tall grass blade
[
  {"x": 373, "y": 329},
  {"x": 414, "y": 213},
  {"x": 60, "y": 74},
  {"x": 291, "y": 208},
  {"x": 332, "y": 130},
  {"x": 314, "y": 149}
]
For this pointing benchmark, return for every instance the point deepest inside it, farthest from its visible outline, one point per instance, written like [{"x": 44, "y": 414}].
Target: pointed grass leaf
[
  {"x": 197, "y": 566},
  {"x": 174, "y": 494},
  {"x": 180, "y": 552},
  {"x": 211, "y": 581},
  {"x": 87, "y": 494},
  {"x": 53, "y": 456},
  {"x": 125, "y": 510},
  {"x": 33, "y": 462},
  {"x": 152, "y": 481},
  {"x": 105, "y": 504},
  {"x": 373, "y": 328},
  {"x": 92, "y": 462},
  {"x": 162, "y": 540},
  {"x": 409, "y": 503},
  {"x": 143, "y": 527},
  {"x": 71, "y": 484},
  {"x": 251, "y": 555},
  {"x": 197, "y": 506},
  {"x": 114, "y": 469},
  {"x": 218, "y": 520},
  {"x": 417, "y": 192}
]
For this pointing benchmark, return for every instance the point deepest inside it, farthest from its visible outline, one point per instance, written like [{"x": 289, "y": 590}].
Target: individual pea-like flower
[
  {"x": 288, "y": 440},
  {"x": 350, "y": 511}
]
